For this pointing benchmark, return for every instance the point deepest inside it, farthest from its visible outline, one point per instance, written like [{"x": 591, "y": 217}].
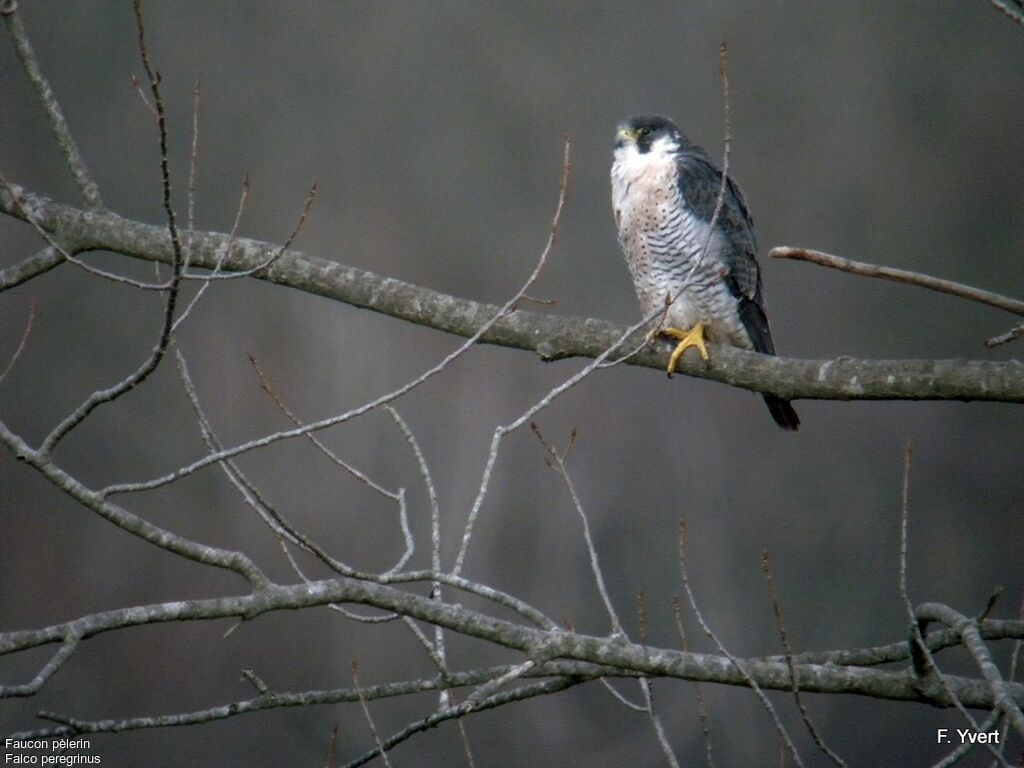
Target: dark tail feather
[{"x": 783, "y": 413}]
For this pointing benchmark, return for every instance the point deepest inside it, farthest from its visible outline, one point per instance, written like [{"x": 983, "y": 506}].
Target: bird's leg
[{"x": 691, "y": 338}]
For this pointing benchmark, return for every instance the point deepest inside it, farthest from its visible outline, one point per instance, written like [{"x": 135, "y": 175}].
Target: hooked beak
[{"x": 625, "y": 135}]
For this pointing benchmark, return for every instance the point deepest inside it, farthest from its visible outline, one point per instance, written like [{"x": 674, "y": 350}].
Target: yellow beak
[{"x": 626, "y": 135}]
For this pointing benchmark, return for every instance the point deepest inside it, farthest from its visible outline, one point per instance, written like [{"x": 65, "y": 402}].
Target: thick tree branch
[
  {"x": 551, "y": 337},
  {"x": 536, "y": 643}
]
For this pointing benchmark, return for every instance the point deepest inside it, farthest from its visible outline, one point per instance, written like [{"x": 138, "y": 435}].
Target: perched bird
[{"x": 698, "y": 268}]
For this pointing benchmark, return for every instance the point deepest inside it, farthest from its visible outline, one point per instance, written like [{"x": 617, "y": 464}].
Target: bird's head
[{"x": 647, "y": 133}]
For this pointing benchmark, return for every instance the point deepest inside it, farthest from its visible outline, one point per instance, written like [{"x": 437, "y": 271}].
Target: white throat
[{"x": 632, "y": 170}]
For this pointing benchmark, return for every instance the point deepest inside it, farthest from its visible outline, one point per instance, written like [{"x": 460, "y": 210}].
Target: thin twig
[
  {"x": 702, "y": 713},
  {"x": 137, "y": 85},
  {"x": 143, "y": 372},
  {"x": 557, "y": 462},
  {"x": 659, "y": 729},
  {"x": 1014, "y": 333},
  {"x": 253, "y": 498},
  {"x": 396, "y": 496},
  {"x": 435, "y": 532},
  {"x": 740, "y": 666},
  {"x": 924, "y": 665},
  {"x": 21, "y": 344},
  {"x": 348, "y": 415},
  {"x": 461, "y": 710},
  {"x": 900, "y": 276},
  {"x": 267, "y": 387},
  {"x": 239, "y": 211},
  {"x": 332, "y": 748},
  {"x": 723, "y": 71},
  {"x": 193, "y": 163},
  {"x": 275, "y": 255},
  {"x": 773, "y": 594},
  {"x": 369, "y": 718}
]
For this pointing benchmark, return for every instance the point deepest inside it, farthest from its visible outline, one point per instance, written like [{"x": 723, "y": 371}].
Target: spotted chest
[{"x": 669, "y": 250}]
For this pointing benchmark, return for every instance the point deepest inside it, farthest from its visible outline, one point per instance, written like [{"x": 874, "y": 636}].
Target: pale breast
[{"x": 669, "y": 250}]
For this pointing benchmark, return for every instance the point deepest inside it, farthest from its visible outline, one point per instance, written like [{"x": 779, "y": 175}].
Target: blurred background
[{"x": 885, "y": 132}]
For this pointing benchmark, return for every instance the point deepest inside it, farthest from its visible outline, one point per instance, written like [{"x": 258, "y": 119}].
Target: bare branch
[
  {"x": 366, "y": 713},
  {"x": 557, "y": 462},
  {"x": 151, "y": 363},
  {"x": 630, "y": 658},
  {"x": 924, "y": 667},
  {"x": 551, "y": 337},
  {"x": 21, "y": 344},
  {"x": 263, "y": 701},
  {"x": 968, "y": 630},
  {"x": 366, "y": 407},
  {"x": 461, "y": 710},
  {"x": 736, "y": 663},
  {"x": 35, "y": 265},
  {"x": 701, "y": 707},
  {"x": 435, "y": 539},
  {"x": 193, "y": 157},
  {"x": 122, "y": 518},
  {"x": 332, "y": 750},
  {"x": 901, "y": 276},
  {"x": 48, "y": 101},
  {"x": 1014, "y": 14},
  {"x": 886, "y": 654},
  {"x": 32, "y": 687},
  {"x": 239, "y": 211},
  {"x": 773, "y": 594},
  {"x": 659, "y": 729},
  {"x": 1014, "y": 333}
]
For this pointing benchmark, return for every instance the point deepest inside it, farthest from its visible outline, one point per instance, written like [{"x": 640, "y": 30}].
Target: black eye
[{"x": 644, "y": 131}]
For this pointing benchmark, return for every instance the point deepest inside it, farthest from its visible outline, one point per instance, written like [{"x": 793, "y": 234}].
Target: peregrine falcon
[{"x": 701, "y": 271}]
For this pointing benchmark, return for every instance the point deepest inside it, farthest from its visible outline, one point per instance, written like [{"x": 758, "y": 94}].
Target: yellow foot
[{"x": 692, "y": 338}]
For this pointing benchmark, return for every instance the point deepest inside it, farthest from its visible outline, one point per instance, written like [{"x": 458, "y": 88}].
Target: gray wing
[{"x": 700, "y": 182}]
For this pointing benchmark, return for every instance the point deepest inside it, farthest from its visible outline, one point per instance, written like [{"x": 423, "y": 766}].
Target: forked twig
[{"x": 143, "y": 372}]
